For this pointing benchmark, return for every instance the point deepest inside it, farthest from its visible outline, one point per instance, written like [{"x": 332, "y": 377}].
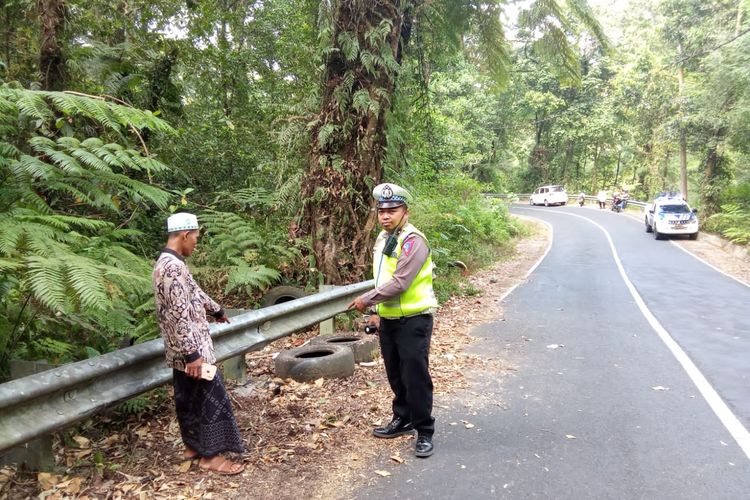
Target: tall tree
[
  {"x": 348, "y": 136},
  {"x": 51, "y": 49},
  {"x": 368, "y": 39}
]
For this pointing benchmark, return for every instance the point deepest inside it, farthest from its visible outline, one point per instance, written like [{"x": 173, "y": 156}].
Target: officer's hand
[
  {"x": 357, "y": 304},
  {"x": 374, "y": 320},
  {"x": 193, "y": 369}
]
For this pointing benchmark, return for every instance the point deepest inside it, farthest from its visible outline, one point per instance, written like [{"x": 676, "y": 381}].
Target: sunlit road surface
[{"x": 632, "y": 367}]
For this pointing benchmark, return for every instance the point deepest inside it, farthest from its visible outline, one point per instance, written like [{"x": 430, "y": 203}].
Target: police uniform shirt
[{"x": 414, "y": 253}]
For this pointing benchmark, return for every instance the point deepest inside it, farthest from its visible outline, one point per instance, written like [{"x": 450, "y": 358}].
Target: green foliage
[
  {"x": 251, "y": 257},
  {"x": 733, "y": 222},
  {"x": 147, "y": 401},
  {"x": 69, "y": 275},
  {"x": 461, "y": 224},
  {"x": 80, "y": 196}
]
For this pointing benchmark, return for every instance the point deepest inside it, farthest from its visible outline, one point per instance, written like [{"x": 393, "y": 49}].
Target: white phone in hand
[{"x": 208, "y": 372}]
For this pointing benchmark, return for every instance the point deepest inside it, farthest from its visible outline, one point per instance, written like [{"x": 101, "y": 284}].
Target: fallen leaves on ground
[{"x": 303, "y": 440}]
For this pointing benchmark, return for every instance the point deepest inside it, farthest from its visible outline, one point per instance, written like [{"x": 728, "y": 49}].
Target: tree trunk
[
  {"x": 683, "y": 139},
  {"x": 594, "y": 170},
  {"x": 714, "y": 174},
  {"x": 666, "y": 171},
  {"x": 738, "y": 20},
  {"x": 569, "y": 150},
  {"x": 583, "y": 167},
  {"x": 9, "y": 32},
  {"x": 51, "y": 56},
  {"x": 617, "y": 169},
  {"x": 348, "y": 140}
]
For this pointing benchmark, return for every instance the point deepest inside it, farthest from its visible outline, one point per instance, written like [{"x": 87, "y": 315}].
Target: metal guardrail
[{"x": 39, "y": 404}]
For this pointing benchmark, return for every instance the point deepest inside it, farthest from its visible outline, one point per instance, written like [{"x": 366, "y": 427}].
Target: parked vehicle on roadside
[
  {"x": 549, "y": 195},
  {"x": 670, "y": 214}
]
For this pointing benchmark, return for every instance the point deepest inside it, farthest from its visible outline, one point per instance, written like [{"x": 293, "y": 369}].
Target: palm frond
[
  {"x": 554, "y": 48},
  {"x": 493, "y": 46},
  {"x": 582, "y": 11}
]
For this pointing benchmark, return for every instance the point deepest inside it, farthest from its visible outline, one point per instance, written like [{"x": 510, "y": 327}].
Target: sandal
[{"x": 224, "y": 467}]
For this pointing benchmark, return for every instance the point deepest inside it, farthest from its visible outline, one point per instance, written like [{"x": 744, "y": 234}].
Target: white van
[{"x": 549, "y": 195}]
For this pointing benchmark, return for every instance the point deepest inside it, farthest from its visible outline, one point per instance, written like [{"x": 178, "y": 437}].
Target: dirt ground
[
  {"x": 304, "y": 440},
  {"x": 729, "y": 258}
]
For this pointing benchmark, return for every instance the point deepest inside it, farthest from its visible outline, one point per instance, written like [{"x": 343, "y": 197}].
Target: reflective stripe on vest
[{"x": 419, "y": 297}]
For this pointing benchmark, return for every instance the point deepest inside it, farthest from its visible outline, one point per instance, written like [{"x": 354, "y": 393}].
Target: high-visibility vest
[{"x": 416, "y": 299}]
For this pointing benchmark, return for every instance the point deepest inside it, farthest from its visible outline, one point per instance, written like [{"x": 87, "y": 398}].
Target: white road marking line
[
  {"x": 719, "y": 407},
  {"x": 632, "y": 216}
]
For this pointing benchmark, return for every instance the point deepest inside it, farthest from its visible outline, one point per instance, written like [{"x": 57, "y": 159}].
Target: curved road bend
[{"x": 599, "y": 406}]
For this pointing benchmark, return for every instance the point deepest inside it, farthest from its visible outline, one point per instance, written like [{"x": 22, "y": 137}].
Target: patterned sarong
[{"x": 204, "y": 413}]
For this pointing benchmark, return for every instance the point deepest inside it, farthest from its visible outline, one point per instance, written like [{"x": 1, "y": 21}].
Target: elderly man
[
  {"x": 204, "y": 412},
  {"x": 404, "y": 303}
]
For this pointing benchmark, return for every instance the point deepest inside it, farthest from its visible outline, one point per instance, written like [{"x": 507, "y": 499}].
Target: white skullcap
[{"x": 182, "y": 221}]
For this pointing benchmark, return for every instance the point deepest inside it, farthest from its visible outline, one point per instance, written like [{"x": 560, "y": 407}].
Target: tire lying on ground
[
  {"x": 281, "y": 294},
  {"x": 364, "y": 347},
  {"x": 311, "y": 362}
]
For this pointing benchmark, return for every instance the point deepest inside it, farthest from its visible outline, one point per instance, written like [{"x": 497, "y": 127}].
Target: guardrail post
[
  {"x": 327, "y": 326},
  {"x": 235, "y": 368},
  {"x": 36, "y": 454}
]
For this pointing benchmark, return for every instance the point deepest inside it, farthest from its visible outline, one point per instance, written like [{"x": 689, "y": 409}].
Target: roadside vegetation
[{"x": 273, "y": 120}]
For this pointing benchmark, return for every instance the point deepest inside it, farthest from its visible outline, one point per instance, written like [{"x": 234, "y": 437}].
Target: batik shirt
[{"x": 181, "y": 308}]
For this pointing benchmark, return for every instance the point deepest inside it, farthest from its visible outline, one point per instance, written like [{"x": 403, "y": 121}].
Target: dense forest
[{"x": 273, "y": 119}]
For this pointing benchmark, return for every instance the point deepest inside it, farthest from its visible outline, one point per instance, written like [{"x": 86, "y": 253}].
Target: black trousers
[{"x": 405, "y": 346}]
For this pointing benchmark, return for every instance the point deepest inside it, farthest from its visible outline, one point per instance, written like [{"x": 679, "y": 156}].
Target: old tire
[
  {"x": 311, "y": 362},
  {"x": 364, "y": 347},
  {"x": 281, "y": 294}
]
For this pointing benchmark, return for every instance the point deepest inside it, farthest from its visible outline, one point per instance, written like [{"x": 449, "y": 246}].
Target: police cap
[{"x": 391, "y": 195}]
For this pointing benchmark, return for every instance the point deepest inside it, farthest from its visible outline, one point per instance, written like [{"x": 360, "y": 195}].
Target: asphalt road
[{"x": 631, "y": 379}]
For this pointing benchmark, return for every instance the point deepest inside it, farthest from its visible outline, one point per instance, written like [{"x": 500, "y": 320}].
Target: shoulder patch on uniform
[{"x": 407, "y": 248}]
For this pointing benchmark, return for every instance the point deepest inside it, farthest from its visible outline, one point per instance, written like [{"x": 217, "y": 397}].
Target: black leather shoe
[
  {"x": 424, "y": 447},
  {"x": 397, "y": 427}
]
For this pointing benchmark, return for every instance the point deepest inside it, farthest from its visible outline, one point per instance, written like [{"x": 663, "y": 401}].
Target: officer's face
[{"x": 390, "y": 218}]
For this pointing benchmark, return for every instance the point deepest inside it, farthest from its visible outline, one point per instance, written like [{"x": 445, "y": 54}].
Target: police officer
[{"x": 404, "y": 303}]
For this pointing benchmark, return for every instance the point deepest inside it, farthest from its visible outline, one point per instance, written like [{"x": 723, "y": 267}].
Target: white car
[
  {"x": 549, "y": 195},
  {"x": 671, "y": 215}
]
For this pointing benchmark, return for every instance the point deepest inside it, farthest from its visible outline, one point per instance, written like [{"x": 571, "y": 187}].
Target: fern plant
[
  {"x": 71, "y": 177},
  {"x": 733, "y": 222},
  {"x": 250, "y": 256}
]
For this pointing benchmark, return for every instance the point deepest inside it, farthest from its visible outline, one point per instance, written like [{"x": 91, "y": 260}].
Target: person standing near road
[
  {"x": 601, "y": 198},
  {"x": 581, "y": 198},
  {"x": 203, "y": 409},
  {"x": 404, "y": 304}
]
